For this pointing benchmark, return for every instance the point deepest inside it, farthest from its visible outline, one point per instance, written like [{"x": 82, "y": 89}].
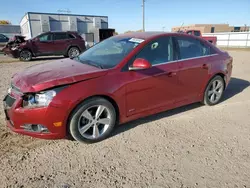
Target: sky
[{"x": 126, "y": 15}]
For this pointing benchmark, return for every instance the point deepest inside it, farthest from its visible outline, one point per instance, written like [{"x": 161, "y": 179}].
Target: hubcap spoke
[
  {"x": 210, "y": 93},
  {"x": 87, "y": 115},
  {"x": 219, "y": 85},
  {"x": 213, "y": 97},
  {"x": 99, "y": 111},
  {"x": 96, "y": 132},
  {"x": 214, "y": 84},
  {"x": 104, "y": 121},
  {"x": 85, "y": 128}
]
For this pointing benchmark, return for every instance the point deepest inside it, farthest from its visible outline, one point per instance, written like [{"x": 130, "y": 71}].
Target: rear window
[{"x": 197, "y": 33}]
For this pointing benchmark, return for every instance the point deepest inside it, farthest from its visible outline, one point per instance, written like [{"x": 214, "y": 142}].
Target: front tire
[
  {"x": 25, "y": 55},
  {"x": 214, "y": 91},
  {"x": 92, "y": 121}
]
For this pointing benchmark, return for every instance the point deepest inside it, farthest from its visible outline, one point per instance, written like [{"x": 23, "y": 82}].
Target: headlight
[{"x": 41, "y": 99}]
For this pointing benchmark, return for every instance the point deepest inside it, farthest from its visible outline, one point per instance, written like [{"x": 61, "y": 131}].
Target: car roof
[
  {"x": 61, "y": 32},
  {"x": 142, "y": 35},
  {"x": 150, "y": 35}
]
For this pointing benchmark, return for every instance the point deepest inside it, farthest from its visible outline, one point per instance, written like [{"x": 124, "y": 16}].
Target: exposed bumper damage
[{"x": 12, "y": 47}]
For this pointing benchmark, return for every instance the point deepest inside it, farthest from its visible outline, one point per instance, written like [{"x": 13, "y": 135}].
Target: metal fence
[{"x": 232, "y": 39}]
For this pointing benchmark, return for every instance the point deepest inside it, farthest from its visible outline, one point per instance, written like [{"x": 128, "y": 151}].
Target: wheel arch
[
  {"x": 108, "y": 98},
  {"x": 70, "y": 46},
  {"x": 29, "y": 49},
  {"x": 221, "y": 74}
]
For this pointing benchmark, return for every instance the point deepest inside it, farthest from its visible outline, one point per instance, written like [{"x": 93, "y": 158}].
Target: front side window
[
  {"x": 158, "y": 51},
  {"x": 46, "y": 37},
  {"x": 2, "y": 36},
  {"x": 191, "y": 48},
  {"x": 60, "y": 36},
  {"x": 110, "y": 52}
]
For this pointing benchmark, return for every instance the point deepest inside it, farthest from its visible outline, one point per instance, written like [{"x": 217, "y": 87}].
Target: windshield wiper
[
  {"x": 94, "y": 64},
  {"x": 88, "y": 62}
]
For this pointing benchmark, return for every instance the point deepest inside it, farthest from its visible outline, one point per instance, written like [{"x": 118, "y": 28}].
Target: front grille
[{"x": 9, "y": 101}]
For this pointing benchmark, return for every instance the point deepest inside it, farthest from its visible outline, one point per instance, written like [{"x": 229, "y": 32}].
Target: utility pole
[{"x": 143, "y": 15}]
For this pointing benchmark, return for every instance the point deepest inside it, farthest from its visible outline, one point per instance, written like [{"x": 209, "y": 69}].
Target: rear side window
[
  {"x": 70, "y": 36},
  {"x": 191, "y": 48},
  {"x": 158, "y": 51},
  {"x": 60, "y": 36}
]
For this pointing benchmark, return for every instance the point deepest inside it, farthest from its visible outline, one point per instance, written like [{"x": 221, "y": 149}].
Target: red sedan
[{"x": 120, "y": 79}]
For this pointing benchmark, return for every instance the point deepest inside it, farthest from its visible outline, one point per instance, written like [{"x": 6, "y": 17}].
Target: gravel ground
[{"x": 192, "y": 146}]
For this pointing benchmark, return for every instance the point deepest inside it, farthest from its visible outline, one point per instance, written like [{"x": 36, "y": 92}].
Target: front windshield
[{"x": 109, "y": 53}]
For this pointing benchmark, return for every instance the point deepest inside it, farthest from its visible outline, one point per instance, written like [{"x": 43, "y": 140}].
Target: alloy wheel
[
  {"x": 215, "y": 91},
  {"x": 25, "y": 55},
  {"x": 73, "y": 52},
  {"x": 94, "y": 122}
]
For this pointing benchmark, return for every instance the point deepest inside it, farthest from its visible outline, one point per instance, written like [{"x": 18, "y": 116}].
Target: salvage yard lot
[{"x": 192, "y": 146}]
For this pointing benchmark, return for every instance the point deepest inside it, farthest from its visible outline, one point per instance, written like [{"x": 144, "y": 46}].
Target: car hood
[{"x": 47, "y": 75}]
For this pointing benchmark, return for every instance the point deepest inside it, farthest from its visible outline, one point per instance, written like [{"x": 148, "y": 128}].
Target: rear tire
[
  {"x": 92, "y": 121},
  {"x": 214, "y": 91},
  {"x": 73, "y": 52},
  {"x": 25, "y": 55}
]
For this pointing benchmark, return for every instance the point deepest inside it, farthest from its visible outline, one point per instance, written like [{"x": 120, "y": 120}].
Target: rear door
[
  {"x": 44, "y": 45},
  {"x": 62, "y": 41},
  {"x": 194, "y": 62}
]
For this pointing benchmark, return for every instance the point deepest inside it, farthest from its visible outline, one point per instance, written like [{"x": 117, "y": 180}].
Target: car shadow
[
  {"x": 47, "y": 58},
  {"x": 235, "y": 87}
]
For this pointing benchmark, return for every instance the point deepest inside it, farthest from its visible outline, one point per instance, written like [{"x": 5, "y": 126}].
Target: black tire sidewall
[
  {"x": 206, "y": 99},
  {"x": 27, "y": 52},
  {"x": 76, "y": 114}
]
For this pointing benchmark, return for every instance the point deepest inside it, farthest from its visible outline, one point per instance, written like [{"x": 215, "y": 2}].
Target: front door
[
  {"x": 157, "y": 86},
  {"x": 44, "y": 45},
  {"x": 194, "y": 65}
]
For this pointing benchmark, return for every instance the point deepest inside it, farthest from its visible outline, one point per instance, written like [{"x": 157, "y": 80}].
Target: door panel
[
  {"x": 155, "y": 87},
  {"x": 151, "y": 88},
  {"x": 192, "y": 75},
  {"x": 194, "y": 62},
  {"x": 45, "y": 45},
  {"x": 62, "y": 42}
]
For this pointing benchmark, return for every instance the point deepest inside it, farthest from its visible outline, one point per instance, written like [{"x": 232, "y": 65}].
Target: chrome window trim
[{"x": 180, "y": 60}]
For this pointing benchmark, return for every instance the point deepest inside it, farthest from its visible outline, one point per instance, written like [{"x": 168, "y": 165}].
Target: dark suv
[{"x": 69, "y": 44}]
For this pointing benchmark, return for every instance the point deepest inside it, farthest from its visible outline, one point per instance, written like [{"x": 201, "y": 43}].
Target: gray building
[
  {"x": 92, "y": 28},
  {"x": 10, "y": 30}
]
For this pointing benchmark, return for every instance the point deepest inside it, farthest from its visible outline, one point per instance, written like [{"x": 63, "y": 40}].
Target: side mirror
[{"x": 140, "y": 64}]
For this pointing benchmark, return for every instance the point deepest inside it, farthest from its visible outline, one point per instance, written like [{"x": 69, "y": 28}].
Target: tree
[{"x": 5, "y": 22}]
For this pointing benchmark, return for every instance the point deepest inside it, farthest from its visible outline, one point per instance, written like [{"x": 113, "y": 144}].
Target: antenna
[{"x": 180, "y": 27}]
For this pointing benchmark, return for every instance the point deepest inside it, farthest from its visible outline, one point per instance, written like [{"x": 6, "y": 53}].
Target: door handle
[
  {"x": 205, "y": 66},
  {"x": 171, "y": 74}
]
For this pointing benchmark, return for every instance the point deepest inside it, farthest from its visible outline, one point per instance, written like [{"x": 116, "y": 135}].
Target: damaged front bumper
[{"x": 12, "y": 52}]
